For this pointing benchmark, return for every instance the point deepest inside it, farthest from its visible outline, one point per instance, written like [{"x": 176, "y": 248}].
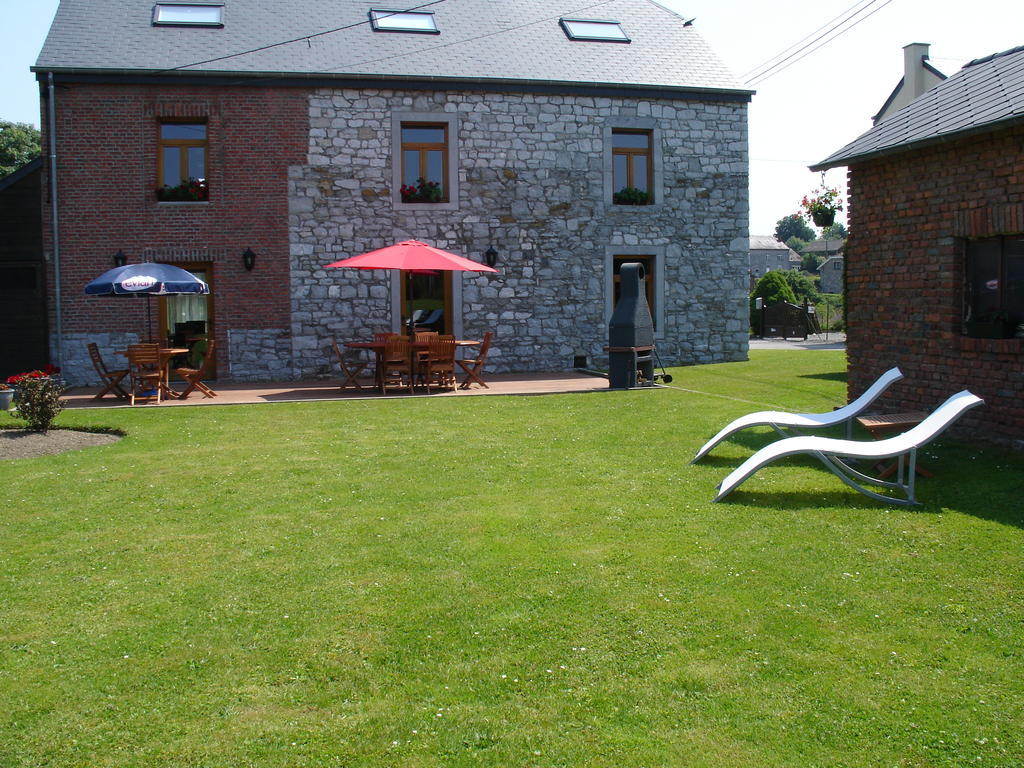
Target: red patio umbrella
[{"x": 412, "y": 256}]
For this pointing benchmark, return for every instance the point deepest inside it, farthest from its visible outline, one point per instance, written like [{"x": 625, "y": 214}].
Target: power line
[
  {"x": 750, "y": 74},
  {"x": 790, "y": 60}
]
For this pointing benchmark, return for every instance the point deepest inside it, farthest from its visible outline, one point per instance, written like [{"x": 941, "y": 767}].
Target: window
[
  {"x": 404, "y": 21},
  {"x": 181, "y": 163},
  {"x": 994, "y": 286},
  {"x": 594, "y": 30},
  {"x": 424, "y": 163},
  {"x": 632, "y": 167},
  {"x": 188, "y": 14}
]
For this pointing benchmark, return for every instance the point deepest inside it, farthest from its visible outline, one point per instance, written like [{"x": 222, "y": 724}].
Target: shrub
[
  {"x": 39, "y": 401},
  {"x": 631, "y": 196}
]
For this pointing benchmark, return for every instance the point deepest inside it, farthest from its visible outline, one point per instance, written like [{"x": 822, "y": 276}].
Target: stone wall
[
  {"x": 532, "y": 182},
  {"x": 909, "y": 218}
]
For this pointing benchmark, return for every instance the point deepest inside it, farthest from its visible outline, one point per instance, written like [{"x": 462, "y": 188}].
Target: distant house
[
  {"x": 918, "y": 77},
  {"x": 935, "y": 282},
  {"x": 23, "y": 326},
  {"x": 830, "y": 274},
  {"x": 767, "y": 253},
  {"x": 563, "y": 146}
]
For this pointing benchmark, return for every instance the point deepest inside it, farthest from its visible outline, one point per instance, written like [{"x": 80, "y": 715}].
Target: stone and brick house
[
  {"x": 936, "y": 247},
  {"x": 194, "y": 132}
]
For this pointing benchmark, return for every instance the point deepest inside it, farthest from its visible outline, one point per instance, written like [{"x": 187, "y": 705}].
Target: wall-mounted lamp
[
  {"x": 248, "y": 259},
  {"x": 491, "y": 256},
  {"x": 120, "y": 259}
]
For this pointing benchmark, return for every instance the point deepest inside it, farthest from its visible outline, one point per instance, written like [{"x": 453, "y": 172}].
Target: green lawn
[{"x": 491, "y": 581}]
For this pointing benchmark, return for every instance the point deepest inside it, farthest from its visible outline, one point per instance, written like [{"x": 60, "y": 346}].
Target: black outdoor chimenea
[{"x": 631, "y": 333}]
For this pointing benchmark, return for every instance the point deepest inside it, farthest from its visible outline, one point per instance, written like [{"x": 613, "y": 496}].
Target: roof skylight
[
  {"x": 404, "y": 21},
  {"x": 594, "y": 29},
  {"x": 189, "y": 14}
]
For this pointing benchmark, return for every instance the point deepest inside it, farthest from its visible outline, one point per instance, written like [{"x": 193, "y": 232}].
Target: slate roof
[
  {"x": 766, "y": 243},
  {"x": 986, "y": 94},
  {"x": 479, "y": 40}
]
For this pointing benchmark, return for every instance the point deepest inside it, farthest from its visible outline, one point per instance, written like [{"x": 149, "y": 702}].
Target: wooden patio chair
[
  {"x": 111, "y": 380},
  {"x": 195, "y": 376},
  {"x": 473, "y": 367},
  {"x": 145, "y": 372},
  {"x": 439, "y": 363},
  {"x": 396, "y": 363},
  {"x": 351, "y": 362}
]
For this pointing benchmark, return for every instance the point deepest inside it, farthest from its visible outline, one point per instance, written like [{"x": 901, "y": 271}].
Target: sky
[{"x": 798, "y": 116}]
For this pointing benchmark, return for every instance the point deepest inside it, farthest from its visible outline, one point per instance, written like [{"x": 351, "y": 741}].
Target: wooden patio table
[
  {"x": 881, "y": 426},
  {"x": 165, "y": 353},
  {"x": 417, "y": 346}
]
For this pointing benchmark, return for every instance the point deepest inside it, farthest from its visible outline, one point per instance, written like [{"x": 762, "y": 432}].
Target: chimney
[{"x": 914, "y": 56}]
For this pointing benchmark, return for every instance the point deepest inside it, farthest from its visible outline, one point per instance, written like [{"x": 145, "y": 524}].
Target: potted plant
[
  {"x": 6, "y": 395},
  {"x": 191, "y": 191},
  {"x": 423, "y": 192},
  {"x": 631, "y": 196},
  {"x": 821, "y": 205}
]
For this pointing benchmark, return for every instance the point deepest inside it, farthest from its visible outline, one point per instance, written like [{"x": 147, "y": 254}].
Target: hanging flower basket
[
  {"x": 823, "y": 218},
  {"x": 821, "y": 205}
]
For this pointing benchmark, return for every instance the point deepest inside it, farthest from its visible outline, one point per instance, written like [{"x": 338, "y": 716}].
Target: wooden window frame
[
  {"x": 423, "y": 148},
  {"x": 630, "y": 153},
  {"x": 184, "y": 145}
]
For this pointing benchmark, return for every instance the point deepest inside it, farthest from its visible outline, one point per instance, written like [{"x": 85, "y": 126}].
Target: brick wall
[
  {"x": 909, "y": 216},
  {"x": 107, "y": 172}
]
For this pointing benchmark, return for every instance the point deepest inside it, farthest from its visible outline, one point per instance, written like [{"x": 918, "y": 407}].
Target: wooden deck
[{"x": 301, "y": 391}]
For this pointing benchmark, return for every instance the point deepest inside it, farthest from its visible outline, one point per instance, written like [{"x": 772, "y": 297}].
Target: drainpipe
[{"x": 54, "y": 222}]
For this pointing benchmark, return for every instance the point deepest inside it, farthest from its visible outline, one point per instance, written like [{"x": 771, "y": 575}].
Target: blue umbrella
[{"x": 148, "y": 279}]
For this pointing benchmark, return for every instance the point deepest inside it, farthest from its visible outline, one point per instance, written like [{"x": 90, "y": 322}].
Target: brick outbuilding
[{"x": 935, "y": 274}]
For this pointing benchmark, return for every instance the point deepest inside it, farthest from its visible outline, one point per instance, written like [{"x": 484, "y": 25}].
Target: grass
[{"x": 532, "y": 581}]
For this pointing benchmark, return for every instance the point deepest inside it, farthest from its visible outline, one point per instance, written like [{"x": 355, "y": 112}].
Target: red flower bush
[{"x": 45, "y": 373}]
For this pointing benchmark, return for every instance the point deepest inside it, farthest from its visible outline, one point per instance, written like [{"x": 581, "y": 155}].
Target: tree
[
  {"x": 773, "y": 287},
  {"x": 19, "y": 145},
  {"x": 810, "y": 261},
  {"x": 836, "y": 232},
  {"x": 803, "y": 286},
  {"x": 794, "y": 225}
]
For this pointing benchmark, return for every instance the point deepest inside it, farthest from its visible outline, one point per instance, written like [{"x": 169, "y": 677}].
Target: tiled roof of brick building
[
  {"x": 505, "y": 42},
  {"x": 987, "y": 93}
]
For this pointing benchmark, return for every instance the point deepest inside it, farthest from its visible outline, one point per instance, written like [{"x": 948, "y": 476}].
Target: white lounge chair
[
  {"x": 829, "y": 449},
  {"x": 781, "y": 420}
]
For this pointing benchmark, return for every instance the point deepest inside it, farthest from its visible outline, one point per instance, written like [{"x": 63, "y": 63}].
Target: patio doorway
[
  {"x": 186, "y": 321},
  {"x": 431, "y": 302}
]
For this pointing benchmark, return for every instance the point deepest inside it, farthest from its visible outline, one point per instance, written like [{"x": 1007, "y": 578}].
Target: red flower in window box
[{"x": 191, "y": 191}]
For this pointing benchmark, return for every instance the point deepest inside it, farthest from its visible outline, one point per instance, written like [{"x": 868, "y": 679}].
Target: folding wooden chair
[
  {"x": 475, "y": 366},
  {"x": 111, "y": 380},
  {"x": 195, "y": 376},
  {"x": 145, "y": 372},
  {"x": 396, "y": 363},
  {"x": 351, "y": 364},
  {"x": 439, "y": 363}
]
